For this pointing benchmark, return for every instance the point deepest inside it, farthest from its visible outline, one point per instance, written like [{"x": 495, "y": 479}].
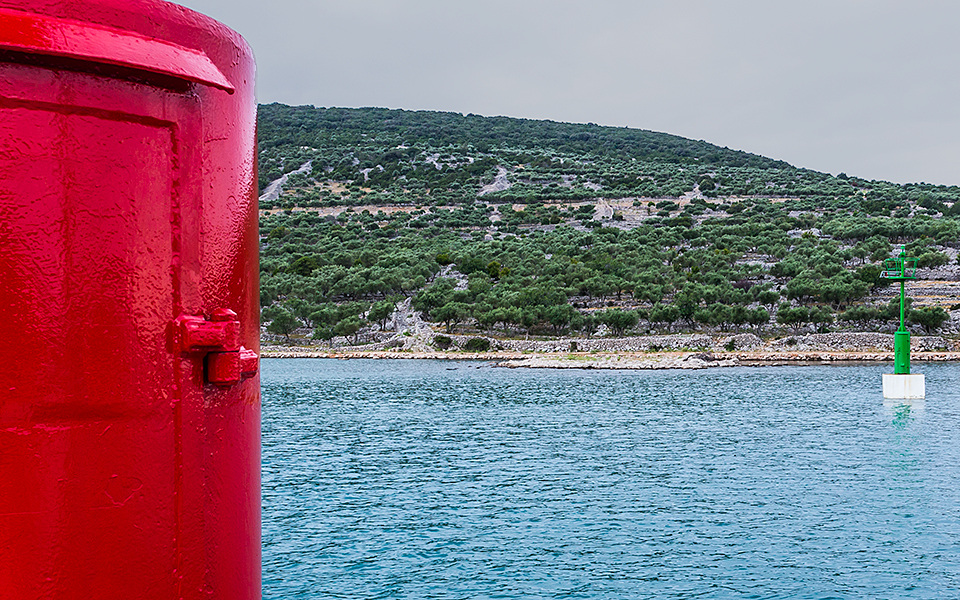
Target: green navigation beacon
[
  {"x": 901, "y": 268},
  {"x": 901, "y": 384}
]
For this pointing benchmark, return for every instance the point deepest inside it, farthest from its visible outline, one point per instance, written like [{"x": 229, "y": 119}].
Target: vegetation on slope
[{"x": 396, "y": 206}]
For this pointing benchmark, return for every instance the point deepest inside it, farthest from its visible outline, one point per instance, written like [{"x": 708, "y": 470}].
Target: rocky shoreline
[
  {"x": 411, "y": 337},
  {"x": 627, "y": 360}
]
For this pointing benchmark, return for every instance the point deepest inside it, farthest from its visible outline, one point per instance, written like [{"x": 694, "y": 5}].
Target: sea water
[{"x": 441, "y": 479}]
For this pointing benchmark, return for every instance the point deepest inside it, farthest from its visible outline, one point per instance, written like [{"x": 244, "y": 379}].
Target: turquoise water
[{"x": 433, "y": 479}]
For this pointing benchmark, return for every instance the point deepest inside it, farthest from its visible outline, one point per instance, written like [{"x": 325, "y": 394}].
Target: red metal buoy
[{"x": 129, "y": 396}]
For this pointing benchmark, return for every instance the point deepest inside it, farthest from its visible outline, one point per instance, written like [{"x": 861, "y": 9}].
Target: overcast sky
[{"x": 866, "y": 87}]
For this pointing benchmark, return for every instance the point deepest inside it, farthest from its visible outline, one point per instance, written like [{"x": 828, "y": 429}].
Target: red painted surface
[{"x": 129, "y": 400}]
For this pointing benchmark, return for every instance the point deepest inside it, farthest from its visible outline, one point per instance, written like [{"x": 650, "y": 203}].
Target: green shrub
[
  {"x": 477, "y": 345},
  {"x": 441, "y": 341}
]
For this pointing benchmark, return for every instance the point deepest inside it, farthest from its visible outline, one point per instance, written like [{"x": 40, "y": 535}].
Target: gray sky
[{"x": 867, "y": 87}]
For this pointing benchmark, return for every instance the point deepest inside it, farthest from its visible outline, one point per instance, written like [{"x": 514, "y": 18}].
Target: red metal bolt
[{"x": 223, "y": 314}]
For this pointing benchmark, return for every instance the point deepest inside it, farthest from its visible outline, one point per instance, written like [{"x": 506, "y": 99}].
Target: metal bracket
[{"x": 218, "y": 339}]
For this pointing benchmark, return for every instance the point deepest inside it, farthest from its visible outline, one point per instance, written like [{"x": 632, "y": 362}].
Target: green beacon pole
[
  {"x": 901, "y": 269},
  {"x": 901, "y": 384}
]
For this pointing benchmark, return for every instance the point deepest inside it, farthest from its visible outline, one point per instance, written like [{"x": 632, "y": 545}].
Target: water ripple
[{"x": 409, "y": 479}]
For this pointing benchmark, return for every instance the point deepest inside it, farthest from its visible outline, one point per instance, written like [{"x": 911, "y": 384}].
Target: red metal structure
[{"x": 129, "y": 397}]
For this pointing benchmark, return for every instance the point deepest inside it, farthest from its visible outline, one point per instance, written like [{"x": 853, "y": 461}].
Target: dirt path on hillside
[{"x": 275, "y": 188}]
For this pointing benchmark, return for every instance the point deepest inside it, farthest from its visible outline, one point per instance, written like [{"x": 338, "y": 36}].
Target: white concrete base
[{"x": 904, "y": 386}]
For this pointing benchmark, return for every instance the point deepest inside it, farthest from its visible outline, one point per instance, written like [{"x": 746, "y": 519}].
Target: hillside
[{"x": 500, "y": 227}]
